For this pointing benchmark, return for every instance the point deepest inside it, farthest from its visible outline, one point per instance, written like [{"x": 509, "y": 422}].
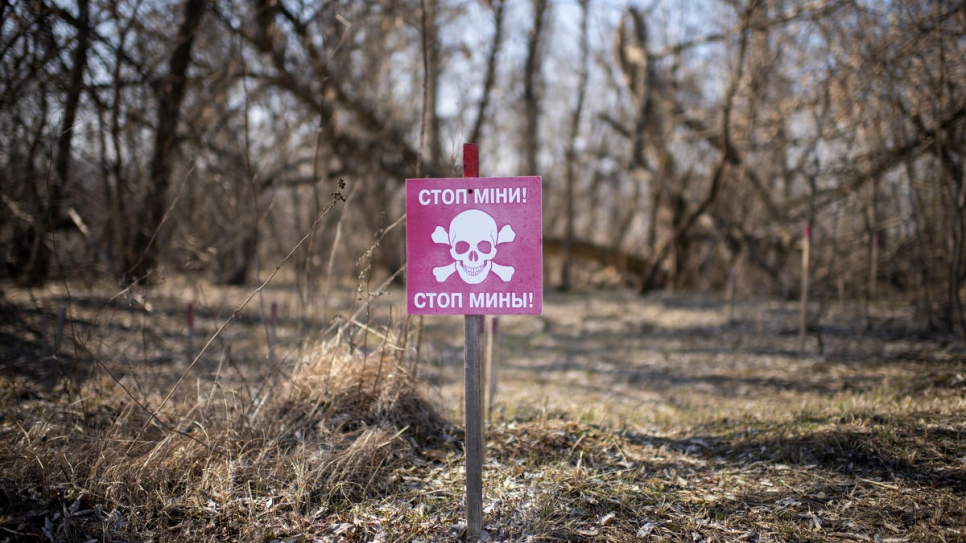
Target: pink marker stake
[
  {"x": 874, "y": 267},
  {"x": 44, "y": 328},
  {"x": 731, "y": 294},
  {"x": 272, "y": 332},
  {"x": 803, "y": 317},
  {"x": 61, "y": 315},
  {"x": 191, "y": 331}
]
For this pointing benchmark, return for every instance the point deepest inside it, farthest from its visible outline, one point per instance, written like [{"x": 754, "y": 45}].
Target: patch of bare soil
[{"x": 617, "y": 418}]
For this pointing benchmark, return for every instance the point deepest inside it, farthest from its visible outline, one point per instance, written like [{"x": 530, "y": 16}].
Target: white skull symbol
[{"x": 473, "y": 237}]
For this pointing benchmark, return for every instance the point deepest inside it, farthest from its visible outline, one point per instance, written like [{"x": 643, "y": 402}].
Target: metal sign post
[{"x": 475, "y": 437}]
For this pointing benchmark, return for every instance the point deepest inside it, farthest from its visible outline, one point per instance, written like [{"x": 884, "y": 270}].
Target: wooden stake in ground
[
  {"x": 803, "y": 317},
  {"x": 474, "y": 388},
  {"x": 492, "y": 361}
]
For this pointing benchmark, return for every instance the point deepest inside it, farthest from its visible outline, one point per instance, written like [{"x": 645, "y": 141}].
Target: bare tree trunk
[
  {"x": 37, "y": 266},
  {"x": 957, "y": 189},
  {"x": 62, "y": 166},
  {"x": 116, "y": 220},
  {"x": 872, "y": 227},
  {"x": 922, "y": 263},
  {"x": 953, "y": 172},
  {"x": 565, "y": 270},
  {"x": 636, "y": 63},
  {"x": 727, "y": 158},
  {"x": 431, "y": 145},
  {"x": 142, "y": 258},
  {"x": 531, "y": 87},
  {"x": 490, "y": 79}
]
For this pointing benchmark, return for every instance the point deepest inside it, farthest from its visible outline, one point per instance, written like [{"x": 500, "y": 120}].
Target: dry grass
[
  {"x": 97, "y": 464},
  {"x": 621, "y": 420}
]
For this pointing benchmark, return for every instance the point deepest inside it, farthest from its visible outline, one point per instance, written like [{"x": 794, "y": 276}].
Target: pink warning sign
[{"x": 474, "y": 246}]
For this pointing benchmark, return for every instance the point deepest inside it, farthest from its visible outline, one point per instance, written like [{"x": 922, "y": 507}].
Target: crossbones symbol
[{"x": 472, "y": 239}]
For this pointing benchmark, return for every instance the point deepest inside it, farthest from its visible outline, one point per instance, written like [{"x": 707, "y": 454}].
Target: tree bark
[
  {"x": 566, "y": 265},
  {"x": 37, "y": 266},
  {"x": 490, "y": 79},
  {"x": 727, "y": 158},
  {"x": 75, "y": 86},
  {"x": 430, "y": 148},
  {"x": 922, "y": 262},
  {"x": 531, "y": 88},
  {"x": 142, "y": 258}
]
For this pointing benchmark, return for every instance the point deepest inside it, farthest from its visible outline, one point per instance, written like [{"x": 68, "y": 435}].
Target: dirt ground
[
  {"x": 631, "y": 358},
  {"x": 616, "y": 356},
  {"x": 708, "y": 413}
]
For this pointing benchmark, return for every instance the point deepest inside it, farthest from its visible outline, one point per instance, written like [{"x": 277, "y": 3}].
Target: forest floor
[{"x": 617, "y": 418}]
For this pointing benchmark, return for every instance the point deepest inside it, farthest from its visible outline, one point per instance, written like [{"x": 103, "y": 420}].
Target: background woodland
[{"x": 679, "y": 143}]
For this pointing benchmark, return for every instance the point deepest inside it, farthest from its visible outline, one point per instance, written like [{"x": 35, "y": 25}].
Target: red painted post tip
[{"x": 471, "y": 160}]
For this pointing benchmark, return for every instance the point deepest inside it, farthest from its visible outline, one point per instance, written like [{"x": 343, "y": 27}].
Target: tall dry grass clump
[{"x": 215, "y": 466}]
